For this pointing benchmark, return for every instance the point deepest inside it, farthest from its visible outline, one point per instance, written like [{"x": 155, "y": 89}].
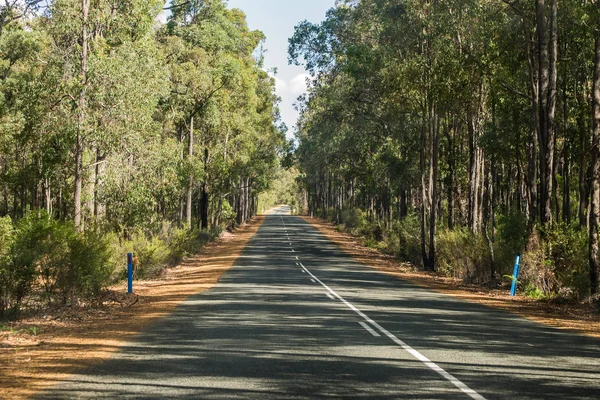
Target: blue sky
[{"x": 277, "y": 18}]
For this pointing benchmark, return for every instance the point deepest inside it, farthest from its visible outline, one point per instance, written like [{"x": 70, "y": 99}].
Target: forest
[
  {"x": 456, "y": 134},
  {"x": 122, "y": 134}
]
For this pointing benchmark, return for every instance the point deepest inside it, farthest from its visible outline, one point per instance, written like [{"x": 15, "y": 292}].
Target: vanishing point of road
[{"x": 296, "y": 318}]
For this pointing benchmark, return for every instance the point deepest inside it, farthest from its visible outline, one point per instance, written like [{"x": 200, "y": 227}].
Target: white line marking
[
  {"x": 297, "y": 258},
  {"x": 330, "y": 296},
  {"x": 464, "y": 388},
  {"x": 297, "y": 264},
  {"x": 313, "y": 281},
  {"x": 293, "y": 251},
  {"x": 303, "y": 271},
  {"x": 369, "y": 329},
  {"x": 290, "y": 244}
]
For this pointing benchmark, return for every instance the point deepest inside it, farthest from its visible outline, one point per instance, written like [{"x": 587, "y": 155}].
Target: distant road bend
[{"x": 296, "y": 318}]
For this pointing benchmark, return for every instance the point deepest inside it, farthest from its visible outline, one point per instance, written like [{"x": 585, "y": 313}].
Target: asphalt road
[{"x": 298, "y": 319}]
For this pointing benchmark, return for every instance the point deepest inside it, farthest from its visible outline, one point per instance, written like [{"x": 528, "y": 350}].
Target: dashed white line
[
  {"x": 369, "y": 329},
  {"x": 330, "y": 296},
  {"x": 297, "y": 258},
  {"x": 463, "y": 388},
  {"x": 313, "y": 281}
]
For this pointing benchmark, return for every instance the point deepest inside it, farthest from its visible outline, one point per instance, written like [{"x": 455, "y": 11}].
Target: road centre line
[
  {"x": 369, "y": 329},
  {"x": 330, "y": 296},
  {"x": 463, "y": 388}
]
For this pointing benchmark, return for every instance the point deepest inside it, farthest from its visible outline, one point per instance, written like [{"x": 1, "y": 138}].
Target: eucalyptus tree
[{"x": 463, "y": 112}]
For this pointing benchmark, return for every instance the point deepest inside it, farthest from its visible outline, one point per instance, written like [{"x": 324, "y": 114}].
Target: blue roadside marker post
[
  {"x": 513, "y": 289},
  {"x": 129, "y": 273}
]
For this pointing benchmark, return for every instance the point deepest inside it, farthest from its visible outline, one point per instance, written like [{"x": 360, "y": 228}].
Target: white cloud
[
  {"x": 162, "y": 17},
  {"x": 289, "y": 91},
  {"x": 281, "y": 87},
  {"x": 298, "y": 85}
]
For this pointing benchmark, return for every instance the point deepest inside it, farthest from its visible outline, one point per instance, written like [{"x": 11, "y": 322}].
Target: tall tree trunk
[
  {"x": 99, "y": 207},
  {"x": 204, "y": 194},
  {"x": 433, "y": 192},
  {"x": 583, "y": 167},
  {"x": 566, "y": 159},
  {"x": 547, "y": 103},
  {"x": 451, "y": 174},
  {"x": 594, "y": 256},
  {"x": 85, "y": 7},
  {"x": 190, "y": 186},
  {"x": 424, "y": 197}
]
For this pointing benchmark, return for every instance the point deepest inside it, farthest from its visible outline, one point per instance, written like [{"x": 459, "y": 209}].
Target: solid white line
[
  {"x": 464, "y": 388},
  {"x": 369, "y": 329},
  {"x": 330, "y": 296}
]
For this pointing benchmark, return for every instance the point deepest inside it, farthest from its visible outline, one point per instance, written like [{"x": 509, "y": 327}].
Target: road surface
[{"x": 296, "y": 318}]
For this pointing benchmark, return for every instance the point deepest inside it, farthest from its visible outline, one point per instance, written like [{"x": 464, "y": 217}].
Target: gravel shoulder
[
  {"x": 579, "y": 318},
  {"x": 39, "y": 352}
]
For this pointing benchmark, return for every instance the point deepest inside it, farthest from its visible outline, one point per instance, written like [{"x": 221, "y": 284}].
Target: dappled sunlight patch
[
  {"x": 573, "y": 317},
  {"x": 83, "y": 338}
]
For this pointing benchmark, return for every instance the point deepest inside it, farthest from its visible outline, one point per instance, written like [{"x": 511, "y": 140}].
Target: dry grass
[
  {"x": 582, "y": 318},
  {"x": 76, "y": 338}
]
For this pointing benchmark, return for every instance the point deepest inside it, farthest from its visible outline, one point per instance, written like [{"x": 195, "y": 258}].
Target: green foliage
[
  {"x": 66, "y": 263},
  {"x": 408, "y": 231},
  {"x": 353, "y": 219},
  {"x": 153, "y": 254},
  {"x": 429, "y": 108},
  {"x": 461, "y": 254},
  {"x": 283, "y": 190},
  {"x": 165, "y": 114},
  {"x": 556, "y": 262},
  {"x": 511, "y": 239}
]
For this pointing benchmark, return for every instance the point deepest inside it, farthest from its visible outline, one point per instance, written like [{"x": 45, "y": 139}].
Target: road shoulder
[
  {"x": 576, "y": 318},
  {"x": 66, "y": 345}
]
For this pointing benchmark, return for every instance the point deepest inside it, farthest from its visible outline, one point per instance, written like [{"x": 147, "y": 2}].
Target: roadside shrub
[
  {"x": 53, "y": 257},
  {"x": 353, "y": 218},
  {"x": 511, "y": 239},
  {"x": 32, "y": 242},
  {"x": 152, "y": 255},
  {"x": 555, "y": 262},
  {"x": 464, "y": 255},
  {"x": 408, "y": 231},
  {"x": 90, "y": 268},
  {"x": 6, "y": 239},
  {"x": 228, "y": 215}
]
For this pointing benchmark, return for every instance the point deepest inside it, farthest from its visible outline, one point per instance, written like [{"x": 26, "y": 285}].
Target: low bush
[
  {"x": 511, "y": 238},
  {"x": 152, "y": 255},
  {"x": 42, "y": 252},
  {"x": 353, "y": 218},
  {"x": 555, "y": 263},
  {"x": 408, "y": 231},
  {"x": 464, "y": 255}
]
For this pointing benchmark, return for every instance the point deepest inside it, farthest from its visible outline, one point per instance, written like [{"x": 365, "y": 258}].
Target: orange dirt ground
[
  {"x": 73, "y": 340},
  {"x": 582, "y": 318}
]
